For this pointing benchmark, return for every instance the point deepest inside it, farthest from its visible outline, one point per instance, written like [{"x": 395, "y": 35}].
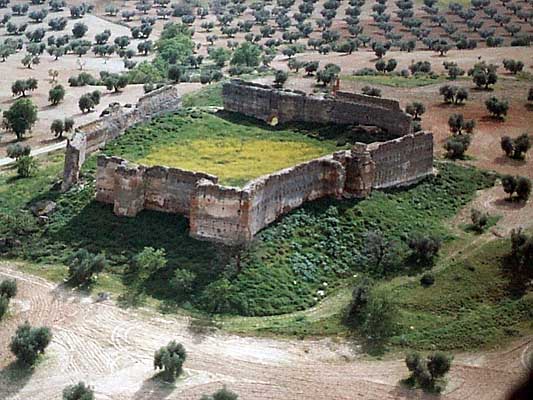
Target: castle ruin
[{"x": 234, "y": 215}]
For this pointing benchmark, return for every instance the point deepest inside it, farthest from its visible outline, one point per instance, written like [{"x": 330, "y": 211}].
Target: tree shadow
[
  {"x": 510, "y": 204},
  {"x": 450, "y": 105},
  {"x": 403, "y": 392},
  {"x": 154, "y": 388},
  {"x": 15, "y": 376},
  {"x": 346, "y": 133},
  {"x": 492, "y": 118},
  {"x": 53, "y": 140},
  {"x": 201, "y": 328},
  {"x": 504, "y": 160}
]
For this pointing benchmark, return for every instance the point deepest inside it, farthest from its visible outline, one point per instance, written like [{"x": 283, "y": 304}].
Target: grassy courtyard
[{"x": 234, "y": 148}]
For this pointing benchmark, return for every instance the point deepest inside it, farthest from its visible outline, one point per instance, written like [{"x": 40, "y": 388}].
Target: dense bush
[
  {"x": 28, "y": 343},
  {"x": 8, "y": 288},
  {"x": 427, "y": 374},
  {"x": 89, "y": 100},
  {"x": 520, "y": 185},
  {"x": 380, "y": 314},
  {"x": 360, "y": 296},
  {"x": 4, "y": 306},
  {"x": 20, "y": 117},
  {"x": 84, "y": 78},
  {"x": 522, "y": 252},
  {"x": 17, "y": 150},
  {"x": 26, "y": 166},
  {"x": 170, "y": 360},
  {"x": 479, "y": 219},
  {"x": 222, "y": 394},
  {"x": 79, "y": 391},
  {"x": 496, "y": 107},
  {"x": 371, "y": 91},
  {"x": 453, "y": 94},
  {"x": 518, "y": 147},
  {"x": 483, "y": 74},
  {"x": 416, "y": 109},
  {"x": 424, "y": 248},
  {"x": 457, "y": 145},
  {"x": 56, "y": 94},
  {"x": 82, "y": 266}
]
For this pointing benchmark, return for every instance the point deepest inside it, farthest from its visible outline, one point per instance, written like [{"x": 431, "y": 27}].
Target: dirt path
[{"x": 112, "y": 349}]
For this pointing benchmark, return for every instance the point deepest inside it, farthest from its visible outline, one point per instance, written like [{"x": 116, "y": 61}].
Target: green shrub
[
  {"x": 79, "y": 391},
  {"x": 427, "y": 373},
  {"x": 17, "y": 150},
  {"x": 8, "y": 288},
  {"x": 28, "y": 343},
  {"x": 4, "y": 306},
  {"x": 84, "y": 265},
  {"x": 221, "y": 394},
  {"x": 170, "y": 359},
  {"x": 26, "y": 166},
  {"x": 380, "y": 316}
]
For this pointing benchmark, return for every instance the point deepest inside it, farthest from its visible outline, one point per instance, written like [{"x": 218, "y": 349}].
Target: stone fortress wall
[
  {"x": 234, "y": 215},
  {"x": 92, "y": 136},
  {"x": 261, "y": 102}
]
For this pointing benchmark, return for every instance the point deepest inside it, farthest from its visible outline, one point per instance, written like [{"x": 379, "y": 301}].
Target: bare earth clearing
[{"x": 112, "y": 349}]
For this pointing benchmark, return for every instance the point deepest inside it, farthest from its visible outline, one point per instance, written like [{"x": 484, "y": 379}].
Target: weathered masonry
[
  {"x": 92, "y": 136},
  {"x": 234, "y": 215},
  {"x": 263, "y": 103}
]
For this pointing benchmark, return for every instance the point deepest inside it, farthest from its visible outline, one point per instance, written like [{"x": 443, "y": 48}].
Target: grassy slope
[
  {"x": 209, "y": 96},
  {"x": 470, "y": 304},
  {"x": 473, "y": 303}
]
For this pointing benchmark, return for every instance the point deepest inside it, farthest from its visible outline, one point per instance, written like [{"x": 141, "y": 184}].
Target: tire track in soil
[{"x": 112, "y": 350}]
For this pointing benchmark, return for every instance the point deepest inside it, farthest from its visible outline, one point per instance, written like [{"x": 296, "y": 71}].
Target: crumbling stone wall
[
  {"x": 234, "y": 215},
  {"x": 264, "y": 103},
  {"x": 220, "y": 213},
  {"x": 276, "y": 194},
  {"x": 132, "y": 188},
  {"x": 94, "y": 135},
  {"x": 402, "y": 161}
]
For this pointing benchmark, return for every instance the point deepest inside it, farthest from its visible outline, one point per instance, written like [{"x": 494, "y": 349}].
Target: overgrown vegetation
[
  {"x": 228, "y": 146},
  {"x": 282, "y": 271}
]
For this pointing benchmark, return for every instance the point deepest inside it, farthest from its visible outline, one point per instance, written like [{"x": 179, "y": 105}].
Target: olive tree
[
  {"x": 56, "y": 94},
  {"x": 28, "y": 343},
  {"x": 170, "y": 360},
  {"x": 20, "y": 117}
]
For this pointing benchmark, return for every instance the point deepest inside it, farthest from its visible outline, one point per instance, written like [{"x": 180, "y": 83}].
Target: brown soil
[
  {"x": 112, "y": 350},
  {"x": 485, "y": 151}
]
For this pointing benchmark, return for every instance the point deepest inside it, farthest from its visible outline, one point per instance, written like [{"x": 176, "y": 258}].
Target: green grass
[
  {"x": 209, "y": 96},
  {"x": 234, "y": 150},
  {"x": 281, "y": 271},
  {"x": 395, "y": 80},
  {"x": 474, "y": 302}
]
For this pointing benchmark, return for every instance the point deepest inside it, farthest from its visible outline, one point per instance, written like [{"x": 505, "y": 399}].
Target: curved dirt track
[{"x": 112, "y": 350}]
